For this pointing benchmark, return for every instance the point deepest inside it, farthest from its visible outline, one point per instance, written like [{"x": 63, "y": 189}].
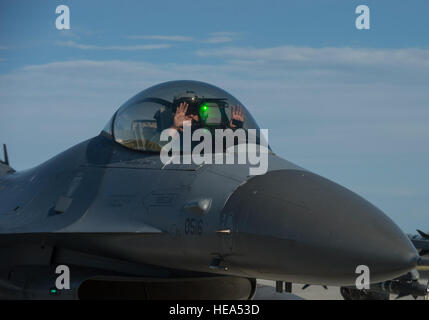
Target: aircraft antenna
[{"x": 6, "y": 158}]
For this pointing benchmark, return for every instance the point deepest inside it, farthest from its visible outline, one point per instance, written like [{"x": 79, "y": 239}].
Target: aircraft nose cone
[{"x": 300, "y": 227}]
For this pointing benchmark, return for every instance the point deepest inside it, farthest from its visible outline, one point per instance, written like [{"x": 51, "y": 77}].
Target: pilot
[
  {"x": 187, "y": 111},
  {"x": 181, "y": 115}
]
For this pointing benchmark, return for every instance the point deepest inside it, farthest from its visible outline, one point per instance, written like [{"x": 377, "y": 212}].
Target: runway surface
[{"x": 266, "y": 291}]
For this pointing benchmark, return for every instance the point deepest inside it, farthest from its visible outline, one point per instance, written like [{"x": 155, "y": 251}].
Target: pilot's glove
[
  {"x": 180, "y": 116},
  {"x": 237, "y": 117}
]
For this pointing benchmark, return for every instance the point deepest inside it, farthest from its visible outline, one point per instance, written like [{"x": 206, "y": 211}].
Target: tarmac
[{"x": 266, "y": 290}]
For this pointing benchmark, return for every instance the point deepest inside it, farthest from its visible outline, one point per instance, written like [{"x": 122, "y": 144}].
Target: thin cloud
[
  {"x": 326, "y": 56},
  {"x": 69, "y": 34},
  {"x": 73, "y": 44},
  {"x": 214, "y": 37},
  {"x": 173, "y": 38},
  {"x": 221, "y": 37}
]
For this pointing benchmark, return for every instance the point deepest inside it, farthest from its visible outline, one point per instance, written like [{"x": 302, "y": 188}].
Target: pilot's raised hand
[
  {"x": 237, "y": 117},
  {"x": 180, "y": 116}
]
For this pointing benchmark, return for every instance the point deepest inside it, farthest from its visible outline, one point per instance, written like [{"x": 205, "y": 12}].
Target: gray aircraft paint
[{"x": 110, "y": 211}]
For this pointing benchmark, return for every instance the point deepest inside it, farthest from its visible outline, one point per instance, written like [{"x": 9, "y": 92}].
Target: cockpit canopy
[{"x": 139, "y": 122}]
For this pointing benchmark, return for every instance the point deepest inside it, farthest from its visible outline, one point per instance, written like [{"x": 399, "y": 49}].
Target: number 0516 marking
[{"x": 193, "y": 226}]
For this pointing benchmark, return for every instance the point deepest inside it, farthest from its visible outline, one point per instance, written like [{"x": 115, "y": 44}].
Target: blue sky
[{"x": 351, "y": 105}]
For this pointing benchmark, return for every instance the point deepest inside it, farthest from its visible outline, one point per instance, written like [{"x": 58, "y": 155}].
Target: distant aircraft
[{"x": 127, "y": 225}]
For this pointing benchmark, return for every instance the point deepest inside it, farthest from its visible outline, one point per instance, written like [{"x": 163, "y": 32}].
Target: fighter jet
[{"x": 124, "y": 224}]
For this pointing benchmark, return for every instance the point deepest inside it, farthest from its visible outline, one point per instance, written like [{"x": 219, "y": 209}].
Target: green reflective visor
[{"x": 204, "y": 112}]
